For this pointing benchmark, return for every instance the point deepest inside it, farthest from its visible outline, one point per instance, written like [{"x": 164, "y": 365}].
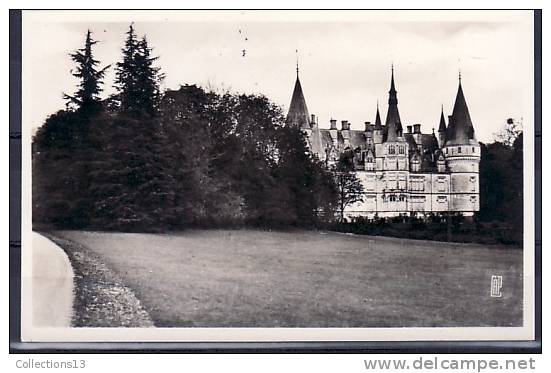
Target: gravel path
[{"x": 101, "y": 299}]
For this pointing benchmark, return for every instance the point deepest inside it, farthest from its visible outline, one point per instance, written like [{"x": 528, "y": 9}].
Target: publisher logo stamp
[{"x": 495, "y": 289}]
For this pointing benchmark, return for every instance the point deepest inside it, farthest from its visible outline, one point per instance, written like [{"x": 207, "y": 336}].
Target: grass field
[{"x": 247, "y": 278}]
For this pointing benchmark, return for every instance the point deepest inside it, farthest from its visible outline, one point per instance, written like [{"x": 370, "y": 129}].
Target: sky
[{"x": 344, "y": 59}]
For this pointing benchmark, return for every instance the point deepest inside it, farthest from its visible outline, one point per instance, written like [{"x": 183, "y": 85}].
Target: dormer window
[
  {"x": 401, "y": 149},
  {"x": 391, "y": 149}
]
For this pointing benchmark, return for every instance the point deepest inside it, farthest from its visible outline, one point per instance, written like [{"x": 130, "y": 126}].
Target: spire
[
  {"x": 442, "y": 125},
  {"x": 298, "y": 111},
  {"x": 460, "y": 129},
  {"x": 378, "y": 124},
  {"x": 392, "y": 89},
  {"x": 296, "y": 50},
  {"x": 393, "y": 121}
]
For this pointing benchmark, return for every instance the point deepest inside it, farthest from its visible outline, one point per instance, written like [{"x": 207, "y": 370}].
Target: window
[
  {"x": 401, "y": 149},
  {"x": 391, "y": 149},
  {"x": 417, "y": 184},
  {"x": 473, "y": 149},
  {"x": 446, "y": 150},
  {"x": 402, "y": 198},
  {"x": 392, "y": 198},
  {"x": 459, "y": 150},
  {"x": 441, "y": 184}
]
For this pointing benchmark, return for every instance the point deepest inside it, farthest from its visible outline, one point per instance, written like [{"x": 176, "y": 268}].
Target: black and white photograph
[{"x": 202, "y": 175}]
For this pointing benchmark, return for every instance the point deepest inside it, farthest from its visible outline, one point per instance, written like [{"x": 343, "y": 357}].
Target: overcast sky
[{"x": 344, "y": 59}]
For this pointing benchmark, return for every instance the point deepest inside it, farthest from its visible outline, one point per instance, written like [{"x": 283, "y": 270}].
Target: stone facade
[{"x": 402, "y": 172}]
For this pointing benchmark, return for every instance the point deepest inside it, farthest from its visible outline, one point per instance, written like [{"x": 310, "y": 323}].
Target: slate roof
[
  {"x": 393, "y": 123},
  {"x": 442, "y": 125},
  {"x": 298, "y": 111},
  {"x": 460, "y": 129}
]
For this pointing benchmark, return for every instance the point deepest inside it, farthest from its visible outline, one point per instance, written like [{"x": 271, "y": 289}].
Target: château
[{"x": 403, "y": 171}]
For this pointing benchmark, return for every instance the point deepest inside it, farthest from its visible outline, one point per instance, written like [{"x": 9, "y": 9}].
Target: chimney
[
  {"x": 409, "y": 129},
  {"x": 416, "y": 128},
  {"x": 344, "y": 125},
  {"x": 333, "y": 124},
  {"x": 367, "y": 126}
]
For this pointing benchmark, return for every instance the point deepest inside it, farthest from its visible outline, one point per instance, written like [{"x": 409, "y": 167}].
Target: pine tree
[
  {"x": 137, "y": 80},
  {"x": 86, "y": 98},
  {"x": 148, "y": 79},
  {"x": 126, "y": 77}
]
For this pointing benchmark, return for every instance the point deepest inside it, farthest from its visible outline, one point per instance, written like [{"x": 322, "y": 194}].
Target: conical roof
[
  {"x": 460, "y": 129},
  {"x": 393, "y": 122},
  {"x": 378, "y": 124},
  {"x": 298, "y": 111},
  {"x": 442, "y": 125}
]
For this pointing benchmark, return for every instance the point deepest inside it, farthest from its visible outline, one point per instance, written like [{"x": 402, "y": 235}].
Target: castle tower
[
  {"x": 395, "y": 146},
  {"x": 393, "y": 122},
  {"x": 442, "y": 129},
  {"x": 462, "y": 153},
  {"x": 298, "y": 111},
  {"x": 298, "y": 117}
]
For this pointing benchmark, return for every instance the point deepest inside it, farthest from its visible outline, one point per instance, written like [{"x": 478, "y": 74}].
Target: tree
[
  {"x": 86, "y": 98},
  {"x": 148, "y": 79},
  {"x": 126, "y": 77},
  {"x": 349, "y": 187},
  {"x": 137, "y": 80},
  {"x": 509, "y": 133},
  {"x": 311, "y": 192}
]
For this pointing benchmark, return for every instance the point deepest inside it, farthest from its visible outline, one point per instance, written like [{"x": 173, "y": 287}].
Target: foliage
[
  {"x": 137, "y": 80},
  {"x": 349, "y": 187},
  {"x": 189, "y": 157},
  {"x": 509, "y": 133},
  {"x": 501, "y": 182},
  {"x": 433, "y": 227},
  {"x": 86, "y": 98}
]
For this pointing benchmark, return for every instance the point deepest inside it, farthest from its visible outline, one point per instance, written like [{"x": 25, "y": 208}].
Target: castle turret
[
  {"x": 393, "y": 123},
  {"x": 442, "y": 129},
  {"x": 395, "y": 146},
  {"x": 298, "y": 111},
  {"x": 378, "y": 128},
  {"x": 460, "y": 128},
  {"x": 462, "y": 154}
]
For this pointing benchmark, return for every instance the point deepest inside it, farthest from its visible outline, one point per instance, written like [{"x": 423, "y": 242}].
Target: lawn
[{"x": 248, "y": 278}]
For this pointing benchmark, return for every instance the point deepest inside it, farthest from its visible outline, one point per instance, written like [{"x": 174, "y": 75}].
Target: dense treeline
[{"x": 145, "y": 161}]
